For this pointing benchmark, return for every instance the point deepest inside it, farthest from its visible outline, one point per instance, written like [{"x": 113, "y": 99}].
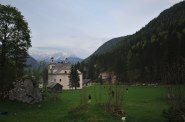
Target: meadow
[{"x": 141, "y": 104}]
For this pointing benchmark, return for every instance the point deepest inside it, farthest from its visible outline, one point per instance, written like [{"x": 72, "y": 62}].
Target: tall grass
[{"x": 110, "y": 98}]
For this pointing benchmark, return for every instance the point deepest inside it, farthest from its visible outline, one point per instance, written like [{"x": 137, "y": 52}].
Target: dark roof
[
  {"x": 86, "y": 80},
  {"x": 53, "y": 84}
]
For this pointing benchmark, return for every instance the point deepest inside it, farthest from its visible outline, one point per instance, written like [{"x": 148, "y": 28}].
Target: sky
[{"x": 79, "y": 27}]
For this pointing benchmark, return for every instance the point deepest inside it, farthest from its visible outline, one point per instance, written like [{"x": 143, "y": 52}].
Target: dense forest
[{"x": 146, "y": 56}]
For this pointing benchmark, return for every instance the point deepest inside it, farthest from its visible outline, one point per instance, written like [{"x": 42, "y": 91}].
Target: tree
[
  {"x": 74, "y": 77},
  {"x": 14, "y": 43}
]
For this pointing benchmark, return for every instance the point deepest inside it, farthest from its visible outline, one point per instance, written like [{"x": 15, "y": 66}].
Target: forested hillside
[
  {"x": 109, "y": 45},
  {"x": 148, "y": 55},
  {"x": 31, "y": 62}
]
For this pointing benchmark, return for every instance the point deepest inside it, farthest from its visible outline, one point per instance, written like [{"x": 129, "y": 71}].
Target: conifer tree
[{"x": 74, "y": 77}]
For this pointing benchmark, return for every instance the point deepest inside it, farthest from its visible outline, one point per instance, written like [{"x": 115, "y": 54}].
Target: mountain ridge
[
  {"x": 146, "y": 54},
  {"x": 108, "y": 45},
  {"x": 58, "y": 57}
]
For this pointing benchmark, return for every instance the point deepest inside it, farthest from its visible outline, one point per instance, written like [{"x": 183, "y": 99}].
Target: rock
[{"x": 25, "y": 91}]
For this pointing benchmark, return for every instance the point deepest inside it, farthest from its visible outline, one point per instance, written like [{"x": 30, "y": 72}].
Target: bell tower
[{"x": 50, "y": 66}]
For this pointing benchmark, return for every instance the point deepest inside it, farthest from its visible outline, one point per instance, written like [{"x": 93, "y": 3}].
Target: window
[
  {"x": 65, "y": 72},
  {"x": 55, "y": 80},
  {"x": 60, "y": 80}
]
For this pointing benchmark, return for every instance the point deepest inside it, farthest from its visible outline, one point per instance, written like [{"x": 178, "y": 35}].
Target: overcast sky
[{"x": 81, "y": 26}]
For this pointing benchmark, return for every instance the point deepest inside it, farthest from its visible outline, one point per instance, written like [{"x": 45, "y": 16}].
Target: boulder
[{"x": 25, "y": 91}]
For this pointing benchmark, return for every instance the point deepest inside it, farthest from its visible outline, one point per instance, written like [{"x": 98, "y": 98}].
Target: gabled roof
[
  {"x": 60, "y": 67},
  {"x": 53, "y": 84}
]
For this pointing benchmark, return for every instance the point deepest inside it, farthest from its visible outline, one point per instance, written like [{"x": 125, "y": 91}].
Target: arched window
[
  {"x": 60, "y": 80},
  {"x": 65, "y": 72}
]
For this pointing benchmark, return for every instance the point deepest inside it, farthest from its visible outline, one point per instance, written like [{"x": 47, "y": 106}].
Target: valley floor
[{"x": 141, "y": 104}]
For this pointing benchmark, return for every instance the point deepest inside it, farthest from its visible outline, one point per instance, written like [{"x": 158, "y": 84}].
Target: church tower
[{"x": 50, "y": 66}]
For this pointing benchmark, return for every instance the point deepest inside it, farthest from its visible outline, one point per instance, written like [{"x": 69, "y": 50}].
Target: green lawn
[{"x": 141, "y": 103}]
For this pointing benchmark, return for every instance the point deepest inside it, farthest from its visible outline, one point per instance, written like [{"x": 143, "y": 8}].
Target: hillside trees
[
  {"x": 14, "y": 43},
  {"x": 143, "y": 56}
]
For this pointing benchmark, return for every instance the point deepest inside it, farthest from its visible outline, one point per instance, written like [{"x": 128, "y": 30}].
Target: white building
[{"x": 60, "y": 73}]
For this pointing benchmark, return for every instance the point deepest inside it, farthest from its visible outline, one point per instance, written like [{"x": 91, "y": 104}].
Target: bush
[{"x": 173, "y": 115}]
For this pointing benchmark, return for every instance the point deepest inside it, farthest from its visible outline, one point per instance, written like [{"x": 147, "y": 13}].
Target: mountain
[
  {"x": 41, "y": 55},
  {"x": 31, "y": 62},
  {"x": 109, "y": 45},
  {"x": 74, "y": 60},
  {"x": 71, "y": 60},
  {"x": 146, "y": 56}
]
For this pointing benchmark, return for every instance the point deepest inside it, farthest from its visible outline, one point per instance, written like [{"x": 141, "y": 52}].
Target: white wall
[
  {"x": 81, "y": 81},
  {"x": 64, "y": 79},
  {"x": 63, "y": 71}
]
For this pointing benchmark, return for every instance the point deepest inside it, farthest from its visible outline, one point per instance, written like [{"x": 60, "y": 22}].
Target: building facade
[{"x": 60, "y": 72}]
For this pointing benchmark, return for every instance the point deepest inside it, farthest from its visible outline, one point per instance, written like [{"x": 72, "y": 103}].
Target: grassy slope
[{"x": 141, "y": 104}]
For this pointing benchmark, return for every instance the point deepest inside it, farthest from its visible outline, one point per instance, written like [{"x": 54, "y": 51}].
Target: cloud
[{"x": 81, "y": 26}]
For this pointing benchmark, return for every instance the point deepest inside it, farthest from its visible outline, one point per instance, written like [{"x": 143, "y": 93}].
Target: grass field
[{"x": 141, "y": 103}]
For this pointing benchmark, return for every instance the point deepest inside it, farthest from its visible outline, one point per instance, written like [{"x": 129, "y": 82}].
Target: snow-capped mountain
[{"x": 46, "y": 54}]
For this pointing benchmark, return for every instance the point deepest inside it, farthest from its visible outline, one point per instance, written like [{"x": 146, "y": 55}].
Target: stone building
[{"x": 60, "y": 72}]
